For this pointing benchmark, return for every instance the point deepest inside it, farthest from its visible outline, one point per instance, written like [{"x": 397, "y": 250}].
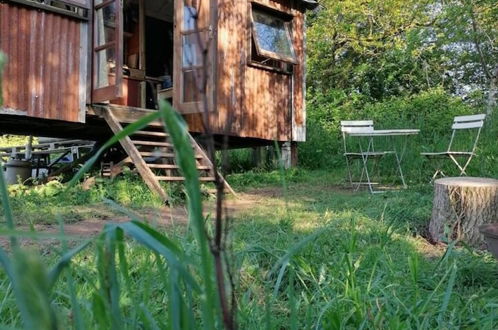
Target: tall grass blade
[
  {"x": 177, "y": 129},
  {"x": 65, "y": 261},
  {"x": 175, "y": 259},
  {"x": 78, "y": 319},
  {"x": 447, "y": 294},
  {"x": 112, "y": 276},
  {"x": 285, "y": 259}
]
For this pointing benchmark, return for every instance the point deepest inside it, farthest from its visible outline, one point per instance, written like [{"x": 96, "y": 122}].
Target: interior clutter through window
[
  {"x": 146, "y": 53},
  {"x": 191, "y": 53},
  {"x": 271, "y": 42}
]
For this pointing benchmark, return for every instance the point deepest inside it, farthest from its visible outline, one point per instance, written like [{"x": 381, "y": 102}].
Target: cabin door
[
  {"x": 193, "y": 69},
  {"x": 107, "y": 50}
]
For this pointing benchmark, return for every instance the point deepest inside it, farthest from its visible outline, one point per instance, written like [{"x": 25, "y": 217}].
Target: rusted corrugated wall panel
[
  {"x": 253, "y": 102},
  {"x": 42, "y": 77}
]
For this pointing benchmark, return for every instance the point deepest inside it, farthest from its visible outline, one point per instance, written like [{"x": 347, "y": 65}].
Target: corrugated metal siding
[
  {"x": 42, "y": 77},
  {"x": 253, "y": 102}
]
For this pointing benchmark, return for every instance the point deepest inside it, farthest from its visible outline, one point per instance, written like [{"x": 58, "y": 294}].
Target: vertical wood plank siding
[
  {"x": 42, "y": 77},
  {"x": 254, "y": 102}
]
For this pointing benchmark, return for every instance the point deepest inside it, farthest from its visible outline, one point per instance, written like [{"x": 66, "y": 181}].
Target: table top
[{"x": 388, "y": 132}]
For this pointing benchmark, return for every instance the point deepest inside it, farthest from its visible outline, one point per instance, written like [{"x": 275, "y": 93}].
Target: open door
[
  {"x": 107, "y": 50},
  {"x": 193, "y": 33}
]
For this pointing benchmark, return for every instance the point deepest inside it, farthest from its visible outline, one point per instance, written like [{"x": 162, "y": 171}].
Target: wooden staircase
[{"x": 153, "y": 155}]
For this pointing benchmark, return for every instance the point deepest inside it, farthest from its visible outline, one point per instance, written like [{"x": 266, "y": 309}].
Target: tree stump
[{"x": 461, "y": 205}]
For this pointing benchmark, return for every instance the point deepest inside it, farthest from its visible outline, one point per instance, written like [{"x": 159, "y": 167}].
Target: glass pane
[
  {"x": 105, "y": 68},
  {"x": 189, "y": 15},
  {"x": 191, "y": 79},
  {"x": 105, "y": 22},
  {"x": 272, "y": 34},
  {"x": 191, "y": 54}
]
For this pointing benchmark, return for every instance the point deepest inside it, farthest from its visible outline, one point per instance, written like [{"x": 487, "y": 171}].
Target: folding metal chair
[
  {"x": 460, "y": 123},
  {"x": 351, "y": 127}
]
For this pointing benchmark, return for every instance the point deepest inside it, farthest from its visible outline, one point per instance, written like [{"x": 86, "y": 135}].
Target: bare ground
[
  {"x": 164, "y": 217},
  {"x": 177, "y": 217}
]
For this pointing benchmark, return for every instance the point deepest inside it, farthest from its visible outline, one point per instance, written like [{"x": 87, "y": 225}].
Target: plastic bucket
[{"x": 17, "y": 170}]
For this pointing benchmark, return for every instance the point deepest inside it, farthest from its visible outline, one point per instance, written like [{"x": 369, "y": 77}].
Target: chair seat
[
  {"x": 367, "y": 154},
  {"x": 447, "y": 153}
]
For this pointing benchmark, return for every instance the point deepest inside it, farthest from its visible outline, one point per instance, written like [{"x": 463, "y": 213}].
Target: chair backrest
[
  {"x": 355, "y": 126},
  {"x": 460, "y": 123}
]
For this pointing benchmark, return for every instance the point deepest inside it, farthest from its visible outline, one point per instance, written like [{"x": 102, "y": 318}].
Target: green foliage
[
  {"x": 361, "y": 47},
  {"x": 431, "y": 111}
]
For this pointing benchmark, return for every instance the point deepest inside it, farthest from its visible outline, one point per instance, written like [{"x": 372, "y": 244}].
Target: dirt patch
[{"x": 162, "y": 217}]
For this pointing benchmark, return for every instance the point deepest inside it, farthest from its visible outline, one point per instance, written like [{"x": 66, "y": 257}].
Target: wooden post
[
  {"x": 294, "y": 157},
  {"x": 286, "y": 154},
  {"x": 461, "y": 205}
]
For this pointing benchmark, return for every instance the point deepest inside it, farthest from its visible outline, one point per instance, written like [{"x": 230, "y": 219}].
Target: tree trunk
[
  {"x": 493, "y": 91},
  {"x": 460, "y": 206}
]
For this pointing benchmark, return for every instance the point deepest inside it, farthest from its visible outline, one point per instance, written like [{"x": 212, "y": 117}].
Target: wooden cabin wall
[
  {"x": 45, "y": 75},
  {"x": 250, "y": 101}
]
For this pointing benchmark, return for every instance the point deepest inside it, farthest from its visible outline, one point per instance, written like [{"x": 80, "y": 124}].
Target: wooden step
[
  {"x": 152, "y": 143},
  {"x": 160, "y": 154},
  {"x": 174, "y": 167},
  {"x": 151, "y": 133},
  {"x": 181, "y": 178}
]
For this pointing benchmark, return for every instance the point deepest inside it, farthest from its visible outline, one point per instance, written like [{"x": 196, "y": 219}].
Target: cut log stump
[{"x": 460, "y": 206}]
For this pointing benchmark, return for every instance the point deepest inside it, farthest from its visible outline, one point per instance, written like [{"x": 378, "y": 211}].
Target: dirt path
[{"x": 164, "y": 217}]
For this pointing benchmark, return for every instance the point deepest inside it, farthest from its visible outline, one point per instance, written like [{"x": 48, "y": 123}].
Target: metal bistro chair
[
  {"x": 351, "y": 127},
  {"x": 460, "y": 123}
]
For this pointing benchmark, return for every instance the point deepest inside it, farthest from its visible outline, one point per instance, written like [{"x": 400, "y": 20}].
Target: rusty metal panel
[{"x": 43, "y": 74}]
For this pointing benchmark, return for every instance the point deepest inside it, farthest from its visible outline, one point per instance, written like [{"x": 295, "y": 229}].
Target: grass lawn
[{"x": 305, "y": 253}]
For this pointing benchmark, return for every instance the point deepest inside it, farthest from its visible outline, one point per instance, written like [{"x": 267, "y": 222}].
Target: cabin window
[
  {"x": 192, "y": 42},
  {"x": 73, "y": 8},
  {"x": 271, "y": 39}
]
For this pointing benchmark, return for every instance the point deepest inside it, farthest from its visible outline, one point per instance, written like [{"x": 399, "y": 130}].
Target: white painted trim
[
  {"x": 10, "y": 111},
  {"x": 83, "y": 71}
]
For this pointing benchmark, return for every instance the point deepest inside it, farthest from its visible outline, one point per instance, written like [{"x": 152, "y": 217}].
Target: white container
[{"x": 17, "y": 170}]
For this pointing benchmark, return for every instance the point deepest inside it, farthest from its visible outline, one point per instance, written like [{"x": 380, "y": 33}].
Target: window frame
[
  {"x": 287, "y": 19},
  {"x": 109, "y": 92},
  {"x": 79, "y": 9}
]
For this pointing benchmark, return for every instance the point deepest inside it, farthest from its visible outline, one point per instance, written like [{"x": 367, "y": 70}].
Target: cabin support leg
[
  {"x": 294, "y": 157},
  {"x": 285, "y": 154},
  {"x": 289, "y": 154}
]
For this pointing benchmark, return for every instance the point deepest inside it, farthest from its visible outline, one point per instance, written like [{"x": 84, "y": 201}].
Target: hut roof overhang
[{"x": 309, "y": 4}]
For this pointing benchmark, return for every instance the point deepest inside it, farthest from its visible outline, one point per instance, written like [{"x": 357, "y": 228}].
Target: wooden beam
[
  {"x": 145, "y": 172},
  {"x": 123, "y": 114}
]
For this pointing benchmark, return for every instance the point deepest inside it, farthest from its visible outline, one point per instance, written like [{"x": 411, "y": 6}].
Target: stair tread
[
  {"x": 150, "y": 133},
  {"x": 181, "y": 178},
  {"x": 152, "y": 143},
  {"x": 162, "y": 154},
  {"x": 173, "y": 166}
]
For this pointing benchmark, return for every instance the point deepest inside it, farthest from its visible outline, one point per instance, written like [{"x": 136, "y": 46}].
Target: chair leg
[
  {"x": 350, "y": 176},
  {"x": 438, "y": 171},
  {"x": 467, "y": 163},
  {"x": 462, "y": 169},
  {"x": 365, "y": 167},
  {"x": 398, "y": 163}
]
